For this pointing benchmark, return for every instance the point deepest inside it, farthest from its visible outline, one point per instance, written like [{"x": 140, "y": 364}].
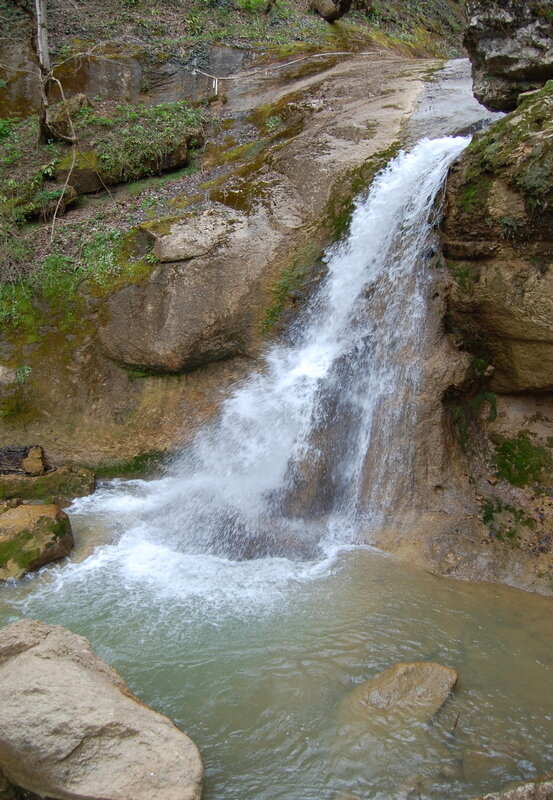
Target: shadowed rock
[{"x": 510, "y": 44}]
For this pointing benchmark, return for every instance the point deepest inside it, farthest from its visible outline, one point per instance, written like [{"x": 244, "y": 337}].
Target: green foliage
[
  {"x": 510, "y": 226},
  {"x": 58, "y": 278},
  {"x": 253, "y": 6},
  {"x": 22, "y": 373},
  {"x": 6, "y": 128},
  {"x": 519, "y": 461}
]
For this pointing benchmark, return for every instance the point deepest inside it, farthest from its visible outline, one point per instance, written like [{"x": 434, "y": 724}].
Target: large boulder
[
  {"x": 201, "y": 306},
  {"x": 405, "y": 692},
  {"x": 31, "y": 537},
  {"x": 510, "y": 44},
  {"x": 71, "y": 728},
  {"x": 331, "y": 10}
]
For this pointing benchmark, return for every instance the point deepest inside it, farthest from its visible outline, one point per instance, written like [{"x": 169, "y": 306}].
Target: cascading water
[
  {"x": 255, "y": 658},
  {"x": 293, "y": 442}
]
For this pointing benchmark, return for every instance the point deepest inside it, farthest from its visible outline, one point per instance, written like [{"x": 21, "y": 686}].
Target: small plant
[
  {"x": 273, "y": 123},
  {"x": 47, "y": 171},
  {"x": 465, "y": 277},
  {"x": 510, "y": 226},
  {"x": 149, "y": 203},
  {"x": 505, "y": 522},
  {"x": 6, "y": 128},
  {"x": 22, "y": 373}
]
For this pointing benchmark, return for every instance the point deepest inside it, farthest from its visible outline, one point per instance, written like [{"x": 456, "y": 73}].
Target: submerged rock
[
  {"x": 31, "y": 537},
  {"x": 510, "y": 44},
  {"x": 70, "y": 726},
  {"x": 405, "y": 692},
  {"x": 535, "y": 790}
]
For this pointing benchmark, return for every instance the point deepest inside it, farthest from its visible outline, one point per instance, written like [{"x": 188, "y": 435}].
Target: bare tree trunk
[
  {"x": 42, "y": 49},
  {"x": 43, "y": 54}
]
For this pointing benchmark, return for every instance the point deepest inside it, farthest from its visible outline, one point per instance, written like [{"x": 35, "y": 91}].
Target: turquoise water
[{"x": 255, "y": 659}]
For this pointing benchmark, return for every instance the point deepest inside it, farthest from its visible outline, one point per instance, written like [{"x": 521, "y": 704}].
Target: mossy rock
[
  {"x": 96, "y": 169},
  {"x": 516, "y": 150},
  {"x": 59, "y": 486},
  {"x": 32, "y": 536}
]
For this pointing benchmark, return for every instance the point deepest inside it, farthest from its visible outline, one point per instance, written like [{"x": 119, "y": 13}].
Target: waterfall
[{"x": 317, "y": 446}]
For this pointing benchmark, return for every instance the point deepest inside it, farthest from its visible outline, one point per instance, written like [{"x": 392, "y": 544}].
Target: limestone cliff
[{"x": 498, "y": 242}]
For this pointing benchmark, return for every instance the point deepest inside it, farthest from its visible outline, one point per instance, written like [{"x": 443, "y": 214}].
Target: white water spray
[{"x": 303, "y": 439}]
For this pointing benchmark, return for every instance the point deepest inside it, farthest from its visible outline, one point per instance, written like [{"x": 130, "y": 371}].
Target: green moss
[
  {"x": 342, "y": 202},
  {"x": 87, "y": 160},
  {"x": 291, "y": 279},
  {"x": 516, "y": 149},
  {"x": 519, "y": 461},
  {"x": 287, "y": 111},
  {"x": 59, "y": 485},
  {"x": 242, "y": 195},
  {"x": 243, "y": 152},
  {"x": 14, "y": 550},
  {"x": 141, "y": 466}
]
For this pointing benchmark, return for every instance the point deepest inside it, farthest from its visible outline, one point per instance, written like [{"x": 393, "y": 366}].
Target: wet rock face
[
  {"x": 32, "y": 536},
  {"x": 510, "y": 44},
  {"x": 70, "y": 727}
]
